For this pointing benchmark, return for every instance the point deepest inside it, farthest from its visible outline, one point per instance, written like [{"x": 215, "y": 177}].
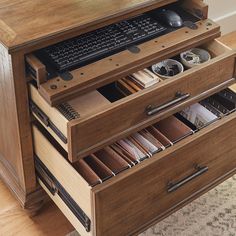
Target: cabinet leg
[
  {"x": 35, "y": 201},
  {"x": 34, "y": 209}
]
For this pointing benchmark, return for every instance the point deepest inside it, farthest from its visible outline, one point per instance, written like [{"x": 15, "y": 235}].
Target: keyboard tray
[{"x": 104, "y": 71}]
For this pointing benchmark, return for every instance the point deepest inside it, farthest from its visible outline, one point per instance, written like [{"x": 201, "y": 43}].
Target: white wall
[{"x": 224, "y": 13}]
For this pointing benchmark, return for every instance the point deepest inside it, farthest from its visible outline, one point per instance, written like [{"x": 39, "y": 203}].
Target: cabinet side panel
[{"x": 16, "y": 152}]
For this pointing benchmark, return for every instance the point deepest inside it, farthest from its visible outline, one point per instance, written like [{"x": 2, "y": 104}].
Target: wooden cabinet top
[{"x": 27, "y": 22}]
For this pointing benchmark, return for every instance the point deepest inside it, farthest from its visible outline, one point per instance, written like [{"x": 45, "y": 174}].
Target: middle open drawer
[
  {"x": 103, "y": 196},
  {"x": 91, "y": 121}
]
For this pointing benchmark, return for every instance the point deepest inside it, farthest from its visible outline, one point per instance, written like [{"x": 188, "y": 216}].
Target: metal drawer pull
[
  {"x": 174, "y": 186},
  {"x": 152, "y": 110}
]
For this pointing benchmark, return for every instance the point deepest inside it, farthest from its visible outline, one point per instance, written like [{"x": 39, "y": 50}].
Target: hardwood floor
[{"x": 15, "y": 221}]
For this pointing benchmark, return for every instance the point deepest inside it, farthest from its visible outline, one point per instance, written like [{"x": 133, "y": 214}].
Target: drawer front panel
[
  {"x": 146, "y": 193},
  {"x": 87, "y": 134}
]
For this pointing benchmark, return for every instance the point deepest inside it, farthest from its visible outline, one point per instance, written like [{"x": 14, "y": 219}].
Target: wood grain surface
[
  {"x": 26, "y": 22},
  {"x": 229, "y": 39},
  {"x": 15, "y": 221},
  {"x": 25, "y": 25},
  {"x": 143, "y": 192},
  {"x": 89, "y": 133},
  {"x": 16, "y": 150}
]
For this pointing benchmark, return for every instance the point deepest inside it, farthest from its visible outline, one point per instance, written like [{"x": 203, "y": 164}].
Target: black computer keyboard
[{"x": 101, "y": 43}]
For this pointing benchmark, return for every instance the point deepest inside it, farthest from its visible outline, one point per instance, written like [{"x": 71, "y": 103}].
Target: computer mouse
[{"x": 170, "y": 18}]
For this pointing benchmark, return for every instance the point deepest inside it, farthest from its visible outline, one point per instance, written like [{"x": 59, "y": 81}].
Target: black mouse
[{"x": 170, "y": 18}]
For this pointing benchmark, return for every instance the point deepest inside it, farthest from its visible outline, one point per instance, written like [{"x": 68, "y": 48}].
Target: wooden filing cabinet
[{"x": 36, "y": 134}]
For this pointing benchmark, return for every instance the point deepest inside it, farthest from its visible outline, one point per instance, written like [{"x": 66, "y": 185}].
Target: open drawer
[
  {"x": 91, "y": 121},
  {"x": 74, "y": 82},
  {"x": 143, "y": 194}
]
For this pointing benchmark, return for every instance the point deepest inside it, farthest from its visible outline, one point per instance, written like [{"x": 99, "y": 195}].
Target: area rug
[{"x": 213, "y": 214}]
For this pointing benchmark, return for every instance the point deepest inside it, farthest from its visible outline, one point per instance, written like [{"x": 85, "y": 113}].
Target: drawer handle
[
  {"x": 152, "y": 110},
  {"x": 174, "y": 186}
]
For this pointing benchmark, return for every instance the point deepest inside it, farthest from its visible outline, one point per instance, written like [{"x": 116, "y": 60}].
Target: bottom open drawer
[{"x": 141, "y": 195}]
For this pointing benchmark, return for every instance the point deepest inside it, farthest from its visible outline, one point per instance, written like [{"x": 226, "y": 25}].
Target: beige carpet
[{"x": 213, "y": 214}]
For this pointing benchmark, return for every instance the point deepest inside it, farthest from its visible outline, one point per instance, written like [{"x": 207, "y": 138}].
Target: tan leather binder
[{"x": 84, "y": 105}]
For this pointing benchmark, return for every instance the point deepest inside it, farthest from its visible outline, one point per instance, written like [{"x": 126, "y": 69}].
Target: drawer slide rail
[
  {"x": 56, "y": 188},
  {"x": 46, "y": 121}
]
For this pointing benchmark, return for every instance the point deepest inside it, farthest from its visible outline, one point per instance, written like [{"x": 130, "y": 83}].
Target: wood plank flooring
[{"x": 15, "y": 222}]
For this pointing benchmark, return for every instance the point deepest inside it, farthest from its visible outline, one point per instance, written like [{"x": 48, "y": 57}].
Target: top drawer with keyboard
[
  {"x": 92, "y": 120},
  {"x": 87, "y": 62}
]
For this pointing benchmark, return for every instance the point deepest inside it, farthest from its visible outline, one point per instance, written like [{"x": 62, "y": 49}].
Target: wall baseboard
[{"x": 227, "y": 22}]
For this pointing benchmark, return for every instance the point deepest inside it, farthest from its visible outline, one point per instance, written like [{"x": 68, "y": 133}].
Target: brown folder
[
  {"x": 131, "y": 148},
  {"x": 173, "y": 129},
  {"x": 124, "y": 154},
  {"x": 159, "y": 136},
  {"x": 152, "y": 139},
  {"x": 145, "y": 143},
  {"x": 112, "y": 160},
  {"x": 87, "y": 173},
  {"x": 140, "y": 146},
  {"x": 98, "y": 167}
]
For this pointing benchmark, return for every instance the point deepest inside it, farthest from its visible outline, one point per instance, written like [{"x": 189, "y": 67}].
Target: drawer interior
[
  {"x": 56, "y": 89},
  {"x": 131, "y": 85},
  {"x": 88, "y": 113},
  {"x": 115, "y": 169},
  {"x": 132, "y": 150}
]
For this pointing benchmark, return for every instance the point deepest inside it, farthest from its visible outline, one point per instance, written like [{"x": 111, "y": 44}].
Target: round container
[
  {"x": 194, "y": 57},
  {"x": 167, "y": 68}
]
